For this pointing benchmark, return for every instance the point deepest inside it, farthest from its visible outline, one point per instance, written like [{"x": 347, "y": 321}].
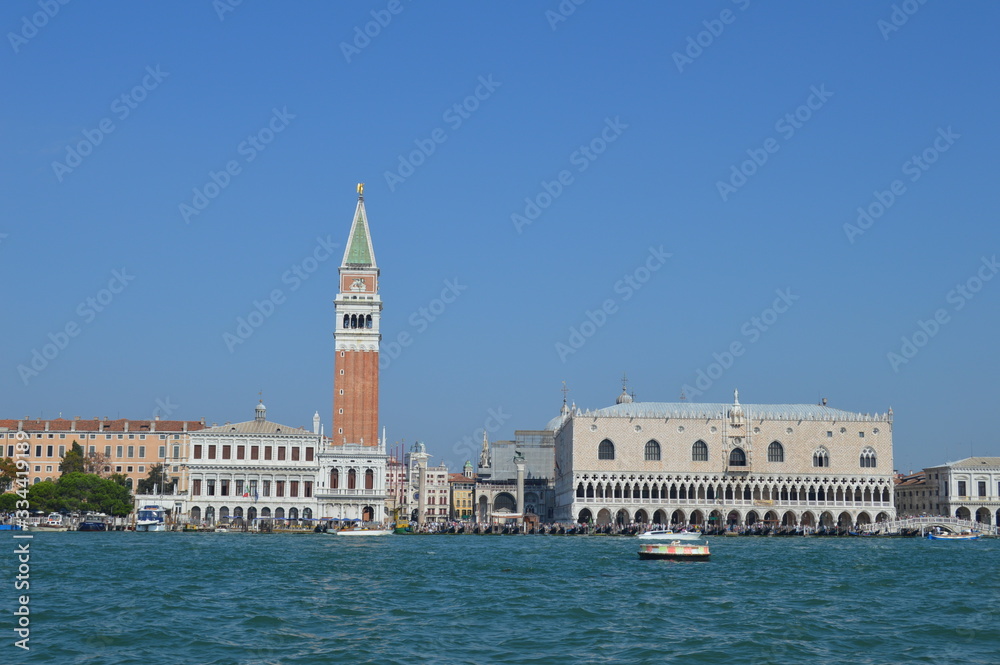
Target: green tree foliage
[
  {"x": 156, "y": 482},
  {"x": 77, "y": 492},
  {"x": 8, "y": 473},
  {"x": 119, "y": 478},
  {"x": 8, "y": 502},
  {"x": 72, "y": 461}
]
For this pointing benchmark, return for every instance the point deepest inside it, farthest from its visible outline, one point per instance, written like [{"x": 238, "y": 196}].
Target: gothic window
[
  {"x": 821, "y": 458},
  {"x": 652, "y": 451},
  {"x": 699, "y": 451},
  {"x": 580, "y": 491},
  {"x": 606, "y": 450},
  {"x": 775, "y": 452},
  {"x": 868, "y": 458},
  {"x": 347, "y": 320},
  {"x": 737, "y": 457},
  {"x": 368, "y": 321}
]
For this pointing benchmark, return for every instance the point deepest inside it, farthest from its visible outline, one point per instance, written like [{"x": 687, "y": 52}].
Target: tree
[
  {"x": 119, "y": 478},
  {"x": 156, "y": 482},
  {"x": 97, "y": 463},
  {"x": 80, "y": 492},
  {"x": 8, "y": 473},
  {"x": 72, "y": 461}
]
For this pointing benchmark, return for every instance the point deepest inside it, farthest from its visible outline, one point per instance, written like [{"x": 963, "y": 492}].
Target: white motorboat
[
  {"x": 667, "y": 534},
  {"x": 150, "y": 518}
]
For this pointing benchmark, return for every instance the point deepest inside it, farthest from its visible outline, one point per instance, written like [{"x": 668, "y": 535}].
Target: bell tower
[{"x": 358, "y": 308}]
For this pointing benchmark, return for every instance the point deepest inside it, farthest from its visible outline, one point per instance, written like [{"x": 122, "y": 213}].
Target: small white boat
[
  {"x": 361, "y": 531},
  {"x": 54, "y": 522},
  {"x": 150, "y": 518},
  {"x": 666, "y": 534},
  {"x": 953, "y": 536}
]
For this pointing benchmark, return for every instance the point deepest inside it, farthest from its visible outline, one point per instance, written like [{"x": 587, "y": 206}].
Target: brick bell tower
[{"x": 358, "y": 308}]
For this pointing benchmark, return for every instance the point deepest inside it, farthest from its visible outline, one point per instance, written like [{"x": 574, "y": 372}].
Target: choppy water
[{"x": 172, "y": 598}]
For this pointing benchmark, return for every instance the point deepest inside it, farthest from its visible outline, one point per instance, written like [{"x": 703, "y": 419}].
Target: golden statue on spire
[{"x": 361, "y": 190}]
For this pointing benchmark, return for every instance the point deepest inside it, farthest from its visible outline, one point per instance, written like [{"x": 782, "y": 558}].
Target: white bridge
[{"x": 952, "y": 524}]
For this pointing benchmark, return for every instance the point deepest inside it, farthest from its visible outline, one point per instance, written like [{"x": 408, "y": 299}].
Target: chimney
[{"x": 126, "y": 425}]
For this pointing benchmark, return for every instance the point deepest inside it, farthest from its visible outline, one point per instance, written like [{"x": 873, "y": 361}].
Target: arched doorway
[
  {"x": 826, "y": 519},
  {"x": 251, "y": 513},
  {"x": 845, "y": 520},
  {"x": 585, "y": 517},
  {"x": 771, "y": 517},
  {"x": 808, "y": 519},
  {"x": 368, "y": 514},
  {"x": 641, "y": 516},
  {"x": 223, "y": 513},
  {"x": 983, "y": 515},
  {"x": 265, "y": 513},
  {"x": 307, "y": 513},
  {"x": 196, "y": 514},
  {"x": 715, "y": 518},
  {"x": 210, "y": 514},
  {"x": 733, "y": 518},
  {"x": 660, "y": 517},
  {"x": 677, "y": 517},
  {"x": 293, "y": 514},
  {"x": 504, "y": 501},
  {"x": 963, "y": 513},
  {"x": 697, "y": 517},
  {"x": 621, "y": 517},
  {"x": 752, "y": 518},
  {"x": 882, "y": 517},
  {"x": 864, "y": 518},
  {"x": 788, "y": 519},
  {"x": 603, "y": 517},
  {"x": 279, "y": 513},
  {"x": 484, "y": 508}
]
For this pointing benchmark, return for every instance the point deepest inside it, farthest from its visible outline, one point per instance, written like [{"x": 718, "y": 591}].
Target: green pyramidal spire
[{"x": 359, "y": 252}]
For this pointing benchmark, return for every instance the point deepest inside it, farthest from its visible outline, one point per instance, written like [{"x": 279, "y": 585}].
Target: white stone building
[
  {"x": 787, "y": 464},
  {"x": 967, "y": 489},
  {"x": 253, "y": 469}
]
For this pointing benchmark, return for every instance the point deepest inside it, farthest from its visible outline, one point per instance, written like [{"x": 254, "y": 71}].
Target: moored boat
[
  {"x": 150, "y": 518},
  {"x": 54, "y": 522}
]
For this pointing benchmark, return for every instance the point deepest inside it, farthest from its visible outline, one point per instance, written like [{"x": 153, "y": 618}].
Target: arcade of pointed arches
[
  {"x": 759, "y": 493},
  {"x": 732, "y": 517}
]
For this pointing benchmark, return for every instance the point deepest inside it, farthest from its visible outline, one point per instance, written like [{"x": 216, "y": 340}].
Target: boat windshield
[{"x": 149, "y": 515}]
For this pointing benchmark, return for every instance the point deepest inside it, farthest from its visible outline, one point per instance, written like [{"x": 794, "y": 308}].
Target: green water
[{"x": 109, "y": 598}]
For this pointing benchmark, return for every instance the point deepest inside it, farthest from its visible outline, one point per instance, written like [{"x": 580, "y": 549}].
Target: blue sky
[{"x": 637, "y": 188}]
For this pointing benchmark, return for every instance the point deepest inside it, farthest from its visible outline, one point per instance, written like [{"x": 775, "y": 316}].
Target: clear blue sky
[{"x": 831, "y": 103}]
